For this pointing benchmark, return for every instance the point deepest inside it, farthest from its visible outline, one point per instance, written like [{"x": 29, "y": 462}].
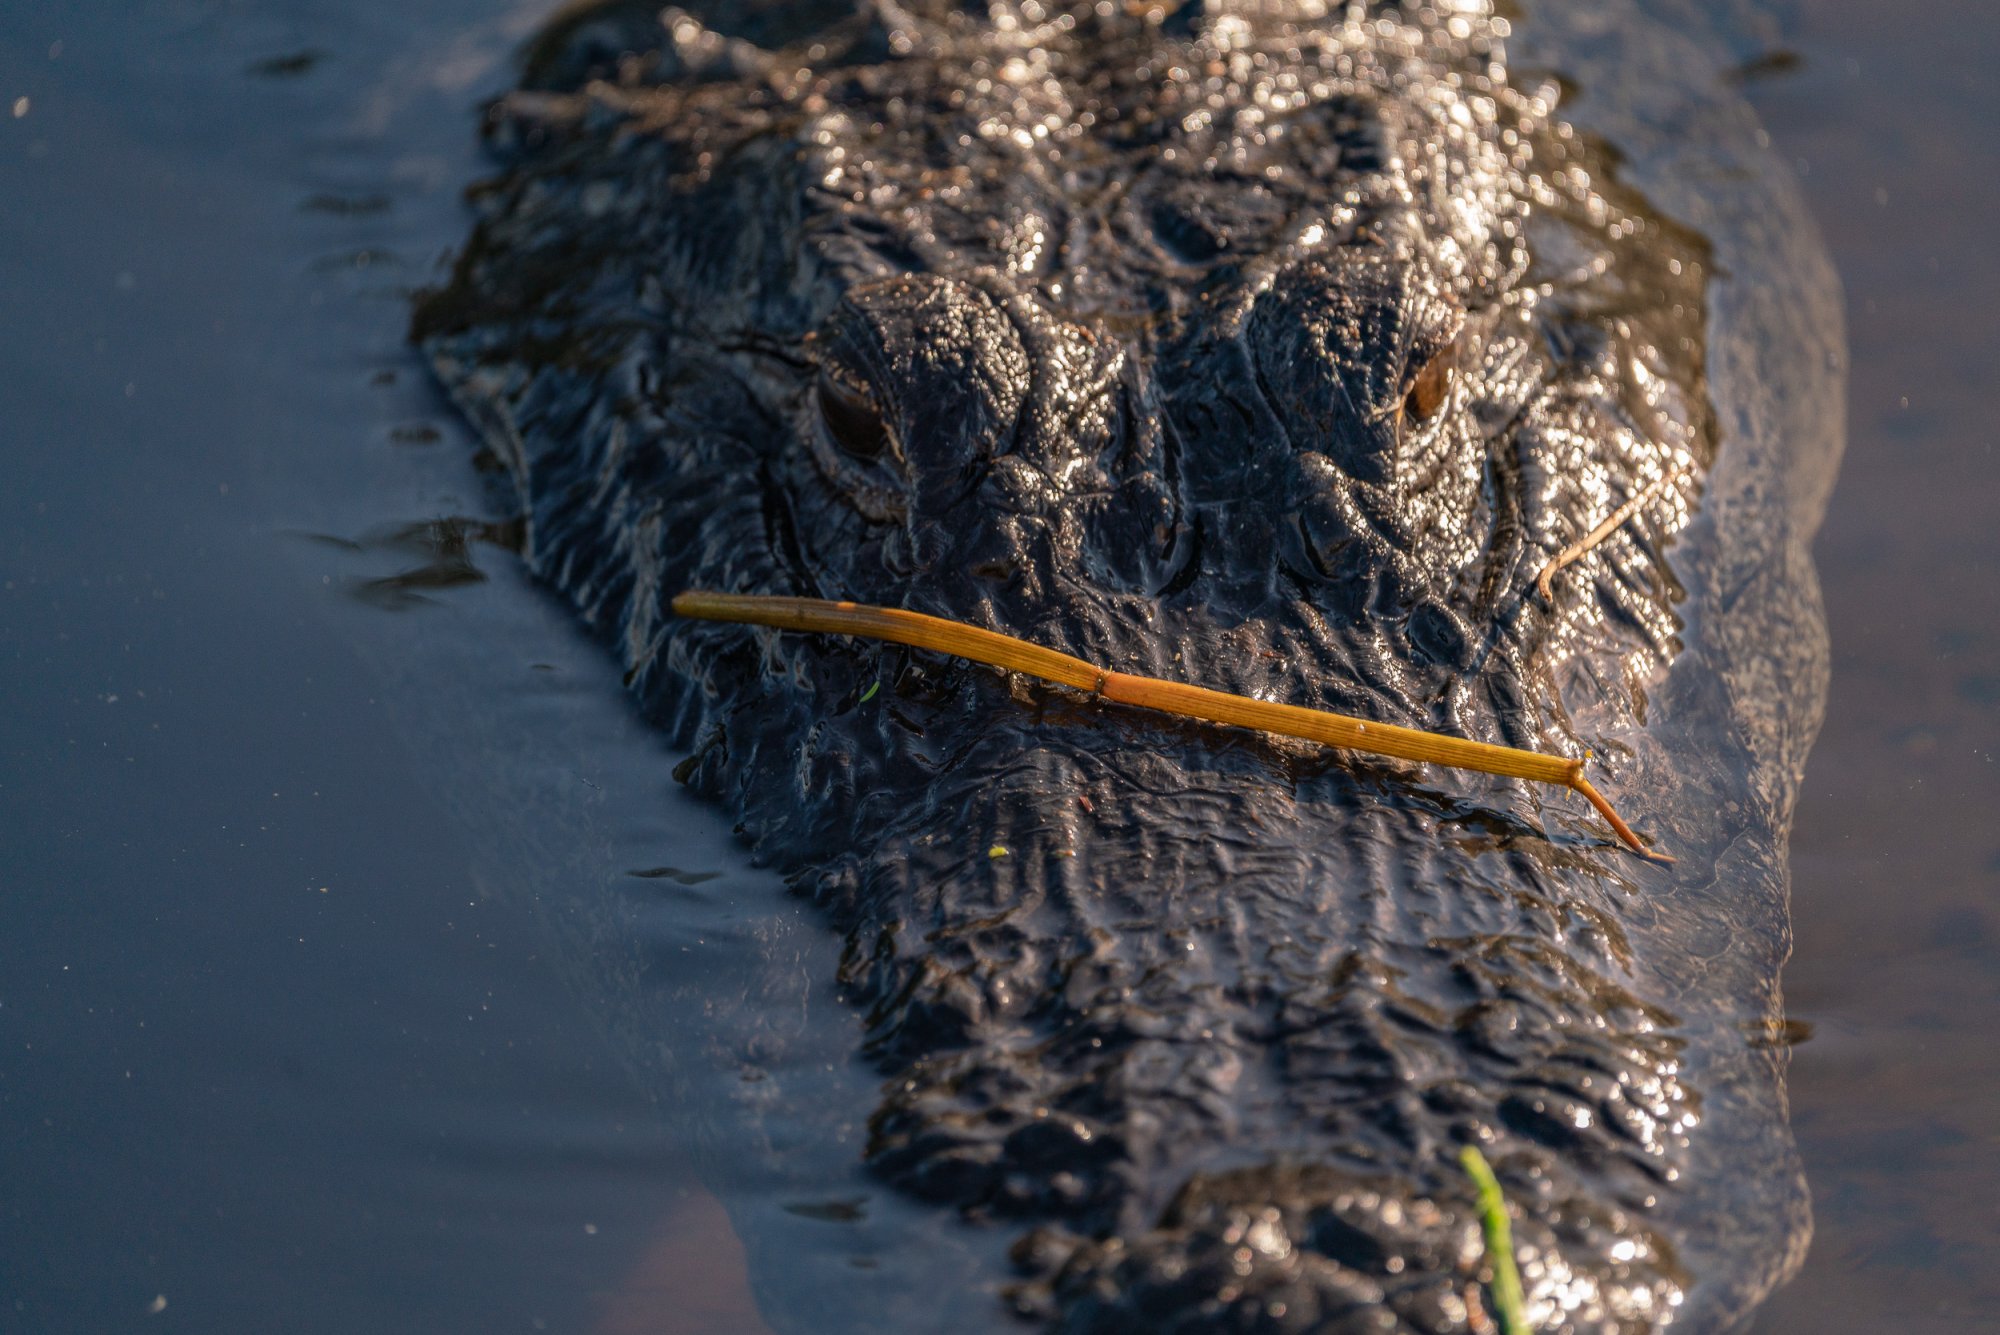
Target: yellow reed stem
[{"x": 1004, "y": 651}]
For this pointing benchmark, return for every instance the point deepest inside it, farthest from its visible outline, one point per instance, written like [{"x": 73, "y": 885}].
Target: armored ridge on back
[{"x": 1264, "y": 346}]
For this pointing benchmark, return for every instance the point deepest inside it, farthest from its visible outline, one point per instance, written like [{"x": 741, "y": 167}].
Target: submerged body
[{"x": 1256, "y": 346}]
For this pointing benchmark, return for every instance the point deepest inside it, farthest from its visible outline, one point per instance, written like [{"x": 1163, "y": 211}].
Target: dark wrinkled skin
[{"x": 1267, "y": 351}]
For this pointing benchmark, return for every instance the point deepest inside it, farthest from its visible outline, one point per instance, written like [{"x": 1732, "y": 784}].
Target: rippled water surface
[{"x": 303, "y": 793}]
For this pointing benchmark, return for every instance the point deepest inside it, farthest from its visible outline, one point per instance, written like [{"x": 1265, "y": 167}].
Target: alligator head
[{"x": 1247, "y": 345}]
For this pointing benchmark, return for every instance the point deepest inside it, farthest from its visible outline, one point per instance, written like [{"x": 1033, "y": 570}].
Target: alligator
[{"x": 1300, "y": 350}]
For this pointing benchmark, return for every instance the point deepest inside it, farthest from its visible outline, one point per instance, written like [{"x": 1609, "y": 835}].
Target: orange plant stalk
[{"x": 1172, "y": 697}]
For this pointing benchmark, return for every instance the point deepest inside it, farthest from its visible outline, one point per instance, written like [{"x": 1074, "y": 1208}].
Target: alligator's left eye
[{"x": 1433, "y": 386}]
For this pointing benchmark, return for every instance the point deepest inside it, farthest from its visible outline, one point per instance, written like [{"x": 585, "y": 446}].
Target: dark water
[
  {"x": 1893, "y": 119},
  {"x": 300, "y": 787},
  {"x": 280, "y": 1044}
]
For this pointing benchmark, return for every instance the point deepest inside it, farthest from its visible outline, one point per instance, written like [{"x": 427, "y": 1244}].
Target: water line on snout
[{"x": 994, "y": 649}]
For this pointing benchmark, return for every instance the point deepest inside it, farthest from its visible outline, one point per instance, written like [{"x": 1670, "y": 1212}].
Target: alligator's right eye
[
  {"x": 1432, "y": 387},
  {"x": 851, "y": 418}
]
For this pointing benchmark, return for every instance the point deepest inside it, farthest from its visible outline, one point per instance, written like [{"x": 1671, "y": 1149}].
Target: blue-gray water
[{"x": 285, "y": 1042}]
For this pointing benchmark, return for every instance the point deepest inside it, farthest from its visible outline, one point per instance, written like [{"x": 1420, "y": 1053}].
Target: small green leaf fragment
[
  {"x": 1512, "y": 1308},
  {"x": 869, "y": 694},
  {"x": 997, "y": 851}
]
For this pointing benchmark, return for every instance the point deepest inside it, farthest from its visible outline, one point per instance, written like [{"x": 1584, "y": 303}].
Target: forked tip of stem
[{"x": 1624, "y": 831}]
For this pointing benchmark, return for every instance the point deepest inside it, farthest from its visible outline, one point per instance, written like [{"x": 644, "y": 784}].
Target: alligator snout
[
  {"x": 1225, "y": 1015},
  {"x": 1300, "y": 1247}
]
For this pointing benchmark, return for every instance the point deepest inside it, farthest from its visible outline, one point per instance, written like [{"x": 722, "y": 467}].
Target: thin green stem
[{"x": 1507, "y": 1299}]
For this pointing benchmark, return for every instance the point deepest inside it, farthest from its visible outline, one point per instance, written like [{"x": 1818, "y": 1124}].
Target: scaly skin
[{"x": 1258, "y": 348}]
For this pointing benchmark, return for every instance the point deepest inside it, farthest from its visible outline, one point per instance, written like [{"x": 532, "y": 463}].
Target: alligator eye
[
  {"x": 851, "y": 418},
  {"x": 1433, "y": 386}
]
